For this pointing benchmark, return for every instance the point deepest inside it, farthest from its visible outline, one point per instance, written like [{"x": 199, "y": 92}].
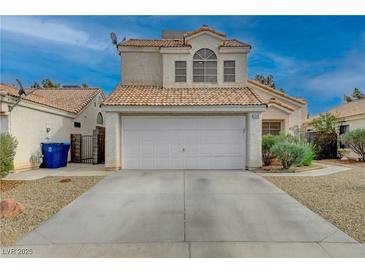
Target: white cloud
[
  {"x": 57, "y": 32},
  {"x": 348, "y": 72},
  {"x": 329, "y": 78}
]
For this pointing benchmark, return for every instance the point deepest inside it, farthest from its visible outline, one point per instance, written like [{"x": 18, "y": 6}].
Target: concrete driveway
[{"x": 196, "y": 207}]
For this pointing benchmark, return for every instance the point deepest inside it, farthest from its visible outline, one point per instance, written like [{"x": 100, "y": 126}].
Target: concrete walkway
[
  {"x": 326, "y": 170},
  {"x": 71, "y": 169},
  {"x": 188, "y": 214}
]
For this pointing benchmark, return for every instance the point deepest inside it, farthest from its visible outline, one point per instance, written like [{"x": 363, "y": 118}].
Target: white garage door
[{"x": 183, "y": 142}]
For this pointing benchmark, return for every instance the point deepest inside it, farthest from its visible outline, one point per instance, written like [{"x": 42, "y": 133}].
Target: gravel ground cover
[
  {"x": 279, "y": 169},
  {"x": 42, "y": 198},
  {"x": 343, "y": 163},
  {"x": 339, "y": 198}
]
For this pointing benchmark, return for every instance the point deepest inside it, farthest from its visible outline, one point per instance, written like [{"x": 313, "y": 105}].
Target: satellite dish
[
  {"x": 114, "y": 38},
  {"x": 21, "y": 89},
  {"x": 21, "y": 92}
]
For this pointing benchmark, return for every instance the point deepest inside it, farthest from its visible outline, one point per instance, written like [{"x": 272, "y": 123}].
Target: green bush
[
  {"x": 8, "y": 146},
  {"x": 290, "y": 142},
  {"x": 308, "y": 154},
  {"x": 268, "y": 141},
  {"x": 289, "y": 154},
  {"x": 355, "y": 139}
]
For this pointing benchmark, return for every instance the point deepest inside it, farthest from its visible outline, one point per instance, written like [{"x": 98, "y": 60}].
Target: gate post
[
  {"x": 76, "y": 148},
  {"x": 95, "y": 147}
]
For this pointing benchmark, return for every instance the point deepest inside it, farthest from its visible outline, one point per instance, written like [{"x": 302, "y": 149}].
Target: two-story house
[{"x": 185, "y": 102}]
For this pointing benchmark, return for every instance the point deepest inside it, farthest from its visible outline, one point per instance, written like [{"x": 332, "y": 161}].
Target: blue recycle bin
[
  {"x": 64, "y": 154},
  {"x": 52, "y": 153}
]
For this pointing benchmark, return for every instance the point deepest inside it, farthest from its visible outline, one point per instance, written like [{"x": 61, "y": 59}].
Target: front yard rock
[{"x": 10, "y": 208}]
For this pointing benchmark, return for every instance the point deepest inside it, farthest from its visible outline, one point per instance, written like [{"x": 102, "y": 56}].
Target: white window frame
[
  {"x": 270, "y": 128},
  {"x": 226, "y": 66},
  {"x": 180, "y": 72},
  {"x": 207, "y": 60}
]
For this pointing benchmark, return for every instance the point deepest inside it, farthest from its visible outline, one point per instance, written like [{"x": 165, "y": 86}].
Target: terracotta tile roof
[
  {"x": 277, "y": 92},
  {"x": 281, "y": 104},
  {"x": 8, "y": 89},
  {"x": 234, "y": 43},
  {"x": 343, "y": 111},
  {"x": 67, "y": 99},
  {"x": 165, "y": 43},
  {"x": 349, "y": 109},
  {"x": 126, "y": 95},
  {"x": 153, "y": 43},
  {"x": 169, "y": 43},
  {"x": 204, "y": 28}
]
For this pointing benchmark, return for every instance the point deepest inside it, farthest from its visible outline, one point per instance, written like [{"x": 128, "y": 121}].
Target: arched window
[
  {"x": 205, "y": 66},
  {"x": 100, "y": 119}
]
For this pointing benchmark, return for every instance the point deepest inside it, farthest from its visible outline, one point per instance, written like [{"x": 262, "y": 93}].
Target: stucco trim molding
[
  {"x": 184, "y": 109},
  {"x": 280, "y": 108},
  {"x": 234, "y": 50},
  {"x": 180, "y": 50},
  {"x": 138, "y": 49},
  {"x": 204, "y": 32}
]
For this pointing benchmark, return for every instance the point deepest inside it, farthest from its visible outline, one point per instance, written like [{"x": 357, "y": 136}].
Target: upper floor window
[
  {"x": 229, "y": 71},
  {"x": 205, "y": 66},
  {"x": 180, "y": 71}
]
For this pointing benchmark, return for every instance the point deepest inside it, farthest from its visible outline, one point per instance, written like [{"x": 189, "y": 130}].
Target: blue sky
[{"x": 319, "y": 58}]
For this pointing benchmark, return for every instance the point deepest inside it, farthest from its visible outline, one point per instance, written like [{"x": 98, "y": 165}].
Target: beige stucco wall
[
  {"x": 293, "y": 119},
  {"x": 151, "y": 66},
  {"x": 275, "y": 114},
  {"x": 113, "y": 140},
  {"x": 142, "y": 68},
  {"x": 87, "y": 117},
  {"x": 212, "y": 43},
  {"x": 28, "y": 122},
  {"x": 253, "y": 140},
  {"x": 354, "y": 122},
  {"x": 29, "y": 127}
]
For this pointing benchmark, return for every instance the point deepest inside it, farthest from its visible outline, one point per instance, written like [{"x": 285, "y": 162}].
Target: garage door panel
[
  {"x": 132, "y": 163},
  {"x": 220, "y": 123},
  {"x": 183, "y": 142},
  {"x": 221, "y": 150},
  {"x": 162, "y": 151},
  {"x": 222, "y": 137}
]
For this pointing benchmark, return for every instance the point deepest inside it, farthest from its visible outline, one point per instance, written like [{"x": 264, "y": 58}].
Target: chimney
[{"x": 172, "y": 34}]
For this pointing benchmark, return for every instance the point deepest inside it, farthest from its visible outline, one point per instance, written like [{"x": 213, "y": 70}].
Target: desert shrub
[
  {"x": 309, "y": 154},
  {"x": 309, "y": 150},
  {"x": 342, "y": 152},
  {"x": 268, "y": 141},
  {"x": 8, "y": 146},
  {"x": 325, "y": 123},
  {"x": 288, "y": 153},
  {"x": 355, "y": 139}
]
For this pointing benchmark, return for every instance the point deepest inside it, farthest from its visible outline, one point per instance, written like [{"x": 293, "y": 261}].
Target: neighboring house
[
  {"x": 185, "y": 103},
  {"x": 48, "y": 115},
  {"x": 349, "y": 116}
]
